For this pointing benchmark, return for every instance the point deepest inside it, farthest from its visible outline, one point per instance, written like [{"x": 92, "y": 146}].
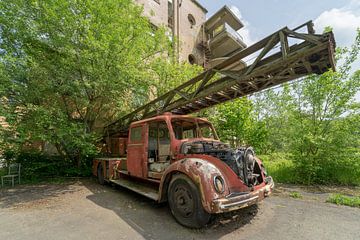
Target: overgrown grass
[
  {"x": 347, "y": 171},
  {"x": 295, "y": 195},
  {"x": 341, "y": 199},
  {"x": 284, "y": 169},
  {"x": 280, "y": 167}
]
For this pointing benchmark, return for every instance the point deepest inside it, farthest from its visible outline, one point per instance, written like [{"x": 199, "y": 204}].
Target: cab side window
[
  {"x": 135, "y": 134},
  {"x": 159, "y": 141}
]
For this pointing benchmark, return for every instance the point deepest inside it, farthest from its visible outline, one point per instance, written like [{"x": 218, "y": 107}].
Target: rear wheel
[
  {"x": 100, "y": 174},
  {"x": 185, "y": 202}
]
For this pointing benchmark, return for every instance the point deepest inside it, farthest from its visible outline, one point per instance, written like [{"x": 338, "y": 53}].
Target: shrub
[
  {"x": 340, "y": 199},
  {"x": 340, "y": 171},
  {"x": 280, "y": 167},
  {"x": 36, "y": 166},
  {"x": 295, "y": 195}
]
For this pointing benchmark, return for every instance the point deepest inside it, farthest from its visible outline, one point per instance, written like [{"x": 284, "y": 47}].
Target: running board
[{"x": 138, "y": 188}]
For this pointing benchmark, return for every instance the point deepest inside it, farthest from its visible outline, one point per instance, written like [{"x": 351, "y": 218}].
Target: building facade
[{"x": 197, "y": 39}]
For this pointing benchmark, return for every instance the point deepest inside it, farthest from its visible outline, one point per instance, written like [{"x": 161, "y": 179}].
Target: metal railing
[{"x": 226, "y": 28}]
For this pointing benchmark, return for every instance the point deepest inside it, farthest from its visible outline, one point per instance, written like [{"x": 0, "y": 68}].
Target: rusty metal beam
[
  {"x": 273, "y": 41},
  {"x": 284, "y": 44}
]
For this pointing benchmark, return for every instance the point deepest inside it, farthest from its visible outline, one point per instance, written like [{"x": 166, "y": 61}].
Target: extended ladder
[{"x": 281, "y": 57}]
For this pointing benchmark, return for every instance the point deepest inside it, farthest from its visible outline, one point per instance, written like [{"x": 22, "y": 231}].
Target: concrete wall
[
  {"x": 156, "y": 11},
  {"x": 189, "y": 35}
]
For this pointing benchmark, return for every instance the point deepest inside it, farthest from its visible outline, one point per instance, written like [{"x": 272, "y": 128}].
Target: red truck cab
[{"x": 179, "y": 159}]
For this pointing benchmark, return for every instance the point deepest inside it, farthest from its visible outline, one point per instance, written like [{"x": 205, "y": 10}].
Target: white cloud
[
  {"x": 344, "y": 22},
  {"x": 245, "y": 31}
]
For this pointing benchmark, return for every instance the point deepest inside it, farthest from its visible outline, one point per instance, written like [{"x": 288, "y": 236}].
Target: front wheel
[{"x": 185, "y": 202}]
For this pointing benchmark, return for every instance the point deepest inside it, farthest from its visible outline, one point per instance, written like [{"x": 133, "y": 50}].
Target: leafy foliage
[
  {"x": 36, "y": 166},
  {"x": 314, "y": 123},
  {"x": 70, "y": 67},
  {"x": 280, "y": 167},
  {"x": 237, "y": 124},
  {"x": 340, "y": 199},
  {"x": 168, "y": 76},
  {"x": 295, "y": 195}
]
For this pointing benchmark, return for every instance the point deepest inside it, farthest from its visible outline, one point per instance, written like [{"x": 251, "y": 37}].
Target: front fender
[{"x": 202, "y": 173}]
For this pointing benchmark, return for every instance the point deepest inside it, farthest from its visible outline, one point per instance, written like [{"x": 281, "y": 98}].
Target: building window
[
  {"x": 170, "y": 14},
  {"x": 192, "y": 59},
  {"x": 153, "y": 30},
  {"x": 191, "y": 20}
]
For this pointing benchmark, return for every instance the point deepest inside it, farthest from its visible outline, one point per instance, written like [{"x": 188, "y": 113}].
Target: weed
[
  {"x": 295, "y": 195},
  {"x": 280, "y": 167},
  {"x": 341, "y": 199}
]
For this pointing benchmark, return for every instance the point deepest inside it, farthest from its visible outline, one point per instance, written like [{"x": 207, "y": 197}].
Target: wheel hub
[{"x": 184, "y": 201}]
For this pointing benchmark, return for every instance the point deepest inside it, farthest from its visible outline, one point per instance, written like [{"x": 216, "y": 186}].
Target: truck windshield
[{"x": 187, "y": 129}]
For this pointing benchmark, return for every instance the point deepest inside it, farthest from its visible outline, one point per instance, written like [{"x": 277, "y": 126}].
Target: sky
[{"x": 263, "y": 17}]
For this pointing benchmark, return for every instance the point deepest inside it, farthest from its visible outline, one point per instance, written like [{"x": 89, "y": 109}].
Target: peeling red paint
[{"x": 200, "y": 168}]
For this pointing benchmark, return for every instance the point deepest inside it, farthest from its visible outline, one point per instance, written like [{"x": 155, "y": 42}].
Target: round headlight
[{"x": 219, "y": 184}]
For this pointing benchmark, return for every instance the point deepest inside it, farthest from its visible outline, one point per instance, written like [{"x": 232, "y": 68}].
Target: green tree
[
  {"x": 274, "y": 108},
  {"x": 314, "y": 120},
  {"x": 169, "y": 75},
  {"x": 237, "y": 124},
  {"x": 69, "y": 67},
  {"x": 322, "y": 120}
]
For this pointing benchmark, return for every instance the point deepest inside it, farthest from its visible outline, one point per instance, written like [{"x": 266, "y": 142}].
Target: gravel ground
[{"x": 85, "y": 210}]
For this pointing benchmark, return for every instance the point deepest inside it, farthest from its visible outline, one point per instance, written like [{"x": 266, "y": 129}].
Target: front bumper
[{"x": 241, "y": 200}]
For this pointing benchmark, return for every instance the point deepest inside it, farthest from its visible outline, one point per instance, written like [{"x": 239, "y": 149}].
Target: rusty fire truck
[{"x": 161, "y": 152}]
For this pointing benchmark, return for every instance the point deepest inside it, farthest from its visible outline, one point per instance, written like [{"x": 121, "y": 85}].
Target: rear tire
[
  {"x": 100, "y": 174},
  {"x": 185, "y": 202}
]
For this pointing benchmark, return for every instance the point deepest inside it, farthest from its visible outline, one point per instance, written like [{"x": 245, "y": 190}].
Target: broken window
[
  {"x": 159, "y": 141},
  {"x": 170, "y": 14},
  {"x": 189, "y": 128},
  {"x": 192, "y": 59},
  {"x": 192, "y": 20},
  {"x": 135, "y": 134}
]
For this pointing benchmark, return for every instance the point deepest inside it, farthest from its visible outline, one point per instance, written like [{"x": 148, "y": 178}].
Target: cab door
[{"x": 137, "y": 151}]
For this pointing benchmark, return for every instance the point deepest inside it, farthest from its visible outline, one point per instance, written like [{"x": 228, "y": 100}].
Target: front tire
[{"x": 185, "y": 202}]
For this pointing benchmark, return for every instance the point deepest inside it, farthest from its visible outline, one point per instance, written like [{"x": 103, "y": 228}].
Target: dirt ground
[{"x": 85, "y": 210}]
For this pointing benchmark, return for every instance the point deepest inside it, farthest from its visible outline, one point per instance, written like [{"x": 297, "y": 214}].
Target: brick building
[{"x": 198, "y": 39}]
